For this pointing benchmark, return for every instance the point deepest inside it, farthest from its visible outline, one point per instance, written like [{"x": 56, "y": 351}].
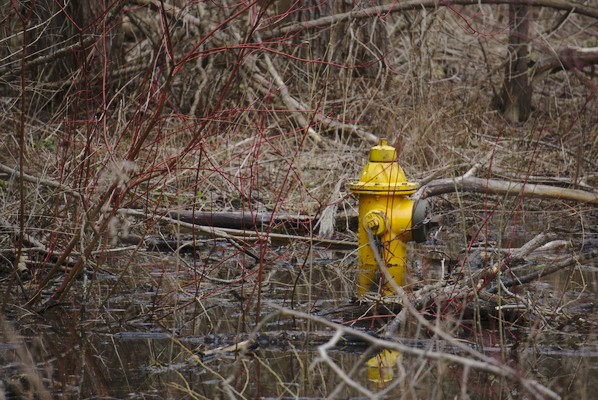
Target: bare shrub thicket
[{"x": 117, "y": 114}]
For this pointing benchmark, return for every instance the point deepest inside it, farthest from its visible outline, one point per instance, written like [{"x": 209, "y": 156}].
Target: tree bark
[{"x": 516, "y": 97}]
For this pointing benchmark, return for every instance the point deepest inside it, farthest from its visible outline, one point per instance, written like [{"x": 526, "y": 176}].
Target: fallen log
[
  {"x": 239, "y": 235},
  {"x": 243, "y": 219}
]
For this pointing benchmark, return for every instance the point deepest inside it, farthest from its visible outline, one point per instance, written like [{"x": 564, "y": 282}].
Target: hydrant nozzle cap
[{"x": 383, "y": 152}]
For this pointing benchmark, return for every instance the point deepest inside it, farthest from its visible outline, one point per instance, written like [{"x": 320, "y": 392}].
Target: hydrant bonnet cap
[
  {"x": 382, "y": 174},
  {"x": 383, "y": 152}
]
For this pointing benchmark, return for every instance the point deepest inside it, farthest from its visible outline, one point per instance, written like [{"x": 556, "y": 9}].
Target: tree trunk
[{"x": 515, "y": 100}]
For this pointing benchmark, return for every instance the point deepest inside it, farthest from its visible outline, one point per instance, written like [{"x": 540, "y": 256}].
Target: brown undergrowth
[{"x": 203, "y": 107}]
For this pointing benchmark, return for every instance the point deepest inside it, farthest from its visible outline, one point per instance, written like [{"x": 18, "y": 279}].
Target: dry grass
[{"x": 194, "y": 119}]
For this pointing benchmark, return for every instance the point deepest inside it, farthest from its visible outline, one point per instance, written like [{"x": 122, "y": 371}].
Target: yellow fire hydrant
[{"x": 387, "y": 217}]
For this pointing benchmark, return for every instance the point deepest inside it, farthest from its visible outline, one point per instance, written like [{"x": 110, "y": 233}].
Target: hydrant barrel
[{"x": 387, "y": 218}]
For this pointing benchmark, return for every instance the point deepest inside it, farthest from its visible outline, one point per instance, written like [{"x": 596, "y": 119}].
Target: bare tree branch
[
  {"x": 492, "y": 186},
  {"x": 564, "y": 5}
]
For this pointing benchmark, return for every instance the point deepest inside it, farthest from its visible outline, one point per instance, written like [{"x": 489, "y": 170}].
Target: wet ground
[{"x": 178, "y": 327}]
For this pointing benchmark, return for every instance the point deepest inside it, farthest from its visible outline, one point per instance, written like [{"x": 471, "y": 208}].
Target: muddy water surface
[{"x": 168, "y": 332}]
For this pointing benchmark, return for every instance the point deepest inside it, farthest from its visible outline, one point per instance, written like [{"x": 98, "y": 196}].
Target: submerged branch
[
  {"x": 540, "y": 271},
  {"x": 477, "y": 360}
]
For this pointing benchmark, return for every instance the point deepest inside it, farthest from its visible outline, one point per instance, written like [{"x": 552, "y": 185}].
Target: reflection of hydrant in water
[
  {"x": 386, "y": 217},
  {"x": 381, "y": 367}
]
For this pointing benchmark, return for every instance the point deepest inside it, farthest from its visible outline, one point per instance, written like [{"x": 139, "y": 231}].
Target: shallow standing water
[{"x": 168, "y": 334}]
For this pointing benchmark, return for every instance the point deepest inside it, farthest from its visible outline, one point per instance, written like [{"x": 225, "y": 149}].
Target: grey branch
[{"x": 492, "y": 186}]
